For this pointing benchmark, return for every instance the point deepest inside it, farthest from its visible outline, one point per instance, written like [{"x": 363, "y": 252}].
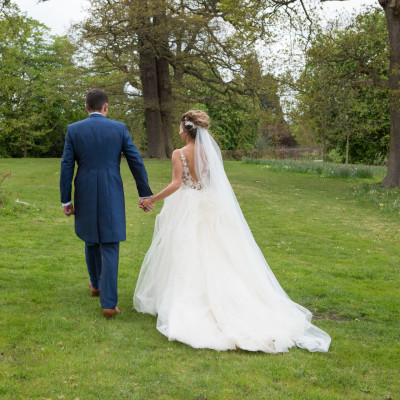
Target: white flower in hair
[{"x": 190, "y": 124}]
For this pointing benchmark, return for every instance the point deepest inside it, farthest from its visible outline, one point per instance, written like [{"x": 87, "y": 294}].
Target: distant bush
[
  {"x": 322, "y": 169},
  {"x": 335, "y": 156}
]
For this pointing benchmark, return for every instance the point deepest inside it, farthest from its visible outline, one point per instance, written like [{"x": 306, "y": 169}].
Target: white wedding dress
[{"x": 205, "y": 277}]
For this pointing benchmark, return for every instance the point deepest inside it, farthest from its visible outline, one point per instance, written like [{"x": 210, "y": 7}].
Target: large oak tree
[
  {"x": 156, "y": 43},
  {"x": 392, "y": 13}
]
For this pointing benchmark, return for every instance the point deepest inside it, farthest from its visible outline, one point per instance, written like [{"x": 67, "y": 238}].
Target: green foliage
[
  {"x": 43, "y": 89},
  {"x": 335, "y": 156},
  {"x": 234, "y": 117},
  {"x": 38, "y": 85},
  {"x": 342, "y": 90},
  {"x": 238, "y": 119},
  {"x": 234, "y": 123},
  {"x": 332, "y": 252},
  {"x": 325, "y": 170}
]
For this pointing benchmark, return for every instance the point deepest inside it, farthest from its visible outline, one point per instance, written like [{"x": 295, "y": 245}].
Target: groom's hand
[
  {"x": 145, "y": 205},
  {"x": 69, "y": 210}
]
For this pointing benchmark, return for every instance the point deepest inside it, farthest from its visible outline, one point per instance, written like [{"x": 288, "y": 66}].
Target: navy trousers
[{"x": 102, "y": 263}]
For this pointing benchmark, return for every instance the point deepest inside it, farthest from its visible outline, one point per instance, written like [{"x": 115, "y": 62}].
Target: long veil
[{"x": 210, "y": 172}]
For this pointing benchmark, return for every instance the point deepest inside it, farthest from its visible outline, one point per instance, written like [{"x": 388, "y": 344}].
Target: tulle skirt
[{"x": 210, "y": 286}]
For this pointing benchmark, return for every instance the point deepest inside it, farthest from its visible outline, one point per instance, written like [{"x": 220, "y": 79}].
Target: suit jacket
[{"x": 96, "y": 144}]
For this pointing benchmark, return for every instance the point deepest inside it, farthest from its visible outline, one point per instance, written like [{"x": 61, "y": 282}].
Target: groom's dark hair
[{"x": 95, "y": 99}]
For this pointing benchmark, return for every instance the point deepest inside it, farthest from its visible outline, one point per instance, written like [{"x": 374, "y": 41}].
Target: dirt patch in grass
[{"x": 331, "y": 316}]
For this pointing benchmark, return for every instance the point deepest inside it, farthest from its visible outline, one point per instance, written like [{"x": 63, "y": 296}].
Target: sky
[
  {"x": 58, "y": 14},
  {"x": 55, "y": 14}
]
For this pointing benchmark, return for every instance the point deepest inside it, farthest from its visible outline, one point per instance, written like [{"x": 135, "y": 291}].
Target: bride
[{"x": 204, "y": 275}]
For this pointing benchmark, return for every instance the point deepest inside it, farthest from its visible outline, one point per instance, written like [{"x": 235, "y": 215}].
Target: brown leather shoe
[
  {"x": 94, "y": 292},
  {"x": 111, "y": 312}
]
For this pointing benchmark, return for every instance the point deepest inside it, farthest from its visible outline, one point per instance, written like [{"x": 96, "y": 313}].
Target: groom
[{"x": 96, "y": 144}]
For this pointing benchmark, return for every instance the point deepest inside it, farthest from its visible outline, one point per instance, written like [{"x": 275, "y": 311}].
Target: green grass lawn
[{"x": 333, "y": 252}]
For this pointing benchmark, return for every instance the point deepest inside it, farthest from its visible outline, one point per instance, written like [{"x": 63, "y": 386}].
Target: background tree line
[
  {"x": 154, "y": 70},
  {"x": 158, "y": 58}
]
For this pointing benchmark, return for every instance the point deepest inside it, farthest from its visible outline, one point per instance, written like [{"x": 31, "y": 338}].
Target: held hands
[
  {"x": 69, "y": 210},
  {"x": 146, "y": 204}
]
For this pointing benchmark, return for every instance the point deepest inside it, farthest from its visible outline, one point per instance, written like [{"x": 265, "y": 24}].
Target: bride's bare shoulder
[
  {"x": 176, "y": 153},
  {"x": 187, "y": 150}
]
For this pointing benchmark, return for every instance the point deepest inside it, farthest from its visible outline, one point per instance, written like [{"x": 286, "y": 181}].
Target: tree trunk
[
  {"x": 148, "y": 77},
  {"x": 392, "y": 12},
  {"x": 324, "y": 141},
  {"x": 25, "y": 145},
  {"x": 163, "y": 77},
  {"x": 347, "y": 147},
  {"x": 178, "y": 74},
  {"x": 166, "y": 104}
]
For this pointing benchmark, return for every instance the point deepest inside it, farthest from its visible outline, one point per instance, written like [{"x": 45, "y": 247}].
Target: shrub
[
  {"x": 322, "y": 169},
  {"x": 365, "y": 173},
  {"x": 274, "y": 154}
]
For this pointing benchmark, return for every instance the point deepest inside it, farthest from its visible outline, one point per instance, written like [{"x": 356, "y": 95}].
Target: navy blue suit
[{"x": 96, "y": 144}]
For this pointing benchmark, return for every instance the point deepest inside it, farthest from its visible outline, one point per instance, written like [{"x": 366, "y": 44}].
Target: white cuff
[
  {"x": 66, "y": 204},
  {"x": 147, "y": 197}
]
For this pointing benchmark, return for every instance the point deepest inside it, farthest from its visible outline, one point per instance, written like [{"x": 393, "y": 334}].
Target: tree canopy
[
  {"x": 343, "y": 93},
  {"x": 37, "y": 81}
]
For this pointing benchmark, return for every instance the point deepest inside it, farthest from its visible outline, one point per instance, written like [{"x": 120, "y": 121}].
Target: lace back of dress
[{"x": 187, "y": 180}]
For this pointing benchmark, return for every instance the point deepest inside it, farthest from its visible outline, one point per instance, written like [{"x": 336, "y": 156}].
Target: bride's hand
[{"x": 147, "y": 204}]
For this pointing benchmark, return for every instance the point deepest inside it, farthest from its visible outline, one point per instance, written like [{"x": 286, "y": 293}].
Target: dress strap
[{"x": 182, "y": 157}]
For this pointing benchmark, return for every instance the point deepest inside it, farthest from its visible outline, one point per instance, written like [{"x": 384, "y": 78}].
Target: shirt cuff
[
  {"x": 66, "y": 204},
  {"x": 146, "y": 197}
]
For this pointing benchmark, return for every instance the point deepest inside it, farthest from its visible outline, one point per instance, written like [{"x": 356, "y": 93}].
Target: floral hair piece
[{"x": 190, "y": 124}]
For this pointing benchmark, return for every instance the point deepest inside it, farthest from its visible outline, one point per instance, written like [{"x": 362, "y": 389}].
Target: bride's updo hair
[{"x": 192, "y": 119}]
